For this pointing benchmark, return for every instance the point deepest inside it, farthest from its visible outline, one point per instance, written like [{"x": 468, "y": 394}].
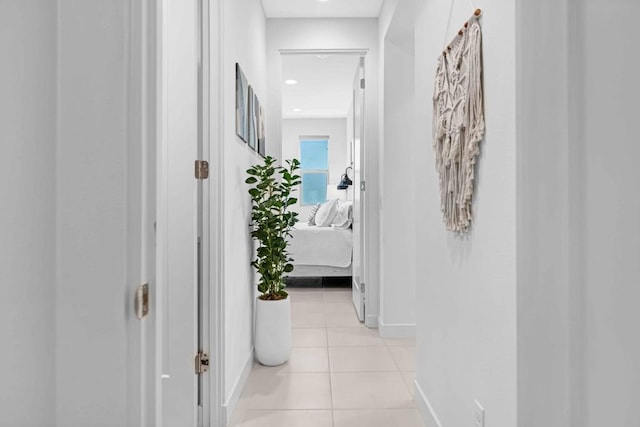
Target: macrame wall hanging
[{"x": 458, "y": 123}]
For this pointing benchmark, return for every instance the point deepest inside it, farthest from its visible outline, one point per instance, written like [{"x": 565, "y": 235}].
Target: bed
[{"x": 321, "y": 251}]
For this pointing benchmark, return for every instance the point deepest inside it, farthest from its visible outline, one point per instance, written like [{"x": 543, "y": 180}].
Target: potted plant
[{"x": 271, "y": 195}]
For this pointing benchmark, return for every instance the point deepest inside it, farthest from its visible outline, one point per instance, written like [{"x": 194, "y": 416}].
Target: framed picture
[
  {"x": 260, "y": 126},
  {"x": 253, "y": 132},
  {"x": 242, "y": 107}
]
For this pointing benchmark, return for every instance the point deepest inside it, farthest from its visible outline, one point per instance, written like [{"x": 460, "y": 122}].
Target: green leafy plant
[{"x": 271, "y": 195}]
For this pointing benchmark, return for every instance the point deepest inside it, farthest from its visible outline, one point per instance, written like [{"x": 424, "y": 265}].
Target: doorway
[{"x": 322, "y": 106}]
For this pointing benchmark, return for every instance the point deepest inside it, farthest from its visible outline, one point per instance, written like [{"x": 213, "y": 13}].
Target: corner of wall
[
  {"x": 396, "y": 330},
  {"x": 229, "y": 406}
]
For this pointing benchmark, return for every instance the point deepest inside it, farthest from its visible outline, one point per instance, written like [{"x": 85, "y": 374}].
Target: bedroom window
[{"x": 314, "y": 169}]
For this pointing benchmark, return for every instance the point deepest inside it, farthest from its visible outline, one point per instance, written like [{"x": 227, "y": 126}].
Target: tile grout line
[
  {"x": 333, "y": 419},
  {"x": 395, "y": 362}
]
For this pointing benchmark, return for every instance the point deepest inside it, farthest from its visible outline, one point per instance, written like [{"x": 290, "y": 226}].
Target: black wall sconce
[{"x": 345, "y": 182}]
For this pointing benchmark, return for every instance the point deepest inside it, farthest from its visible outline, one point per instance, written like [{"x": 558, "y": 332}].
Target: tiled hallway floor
[{"x": 340, "y": 374}]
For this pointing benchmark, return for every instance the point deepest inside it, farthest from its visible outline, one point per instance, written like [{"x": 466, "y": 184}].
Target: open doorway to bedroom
[{"x": 322, "y": 94}]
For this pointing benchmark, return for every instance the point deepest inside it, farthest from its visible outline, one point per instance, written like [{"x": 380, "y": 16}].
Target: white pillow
[
  {"x": 311, "y": 219},
  {"x": 326, "y": 213},
  {"x": 343, "y": 216}
]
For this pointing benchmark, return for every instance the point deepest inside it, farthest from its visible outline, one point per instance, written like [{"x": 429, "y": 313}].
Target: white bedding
[{"x": 313, "y": 245}]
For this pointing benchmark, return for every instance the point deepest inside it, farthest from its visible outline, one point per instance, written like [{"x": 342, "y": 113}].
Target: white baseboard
[
  {"x": 396, "y": 330},
  {"x": 230, "y": 405},
  {"x": 425, "y": 408}
]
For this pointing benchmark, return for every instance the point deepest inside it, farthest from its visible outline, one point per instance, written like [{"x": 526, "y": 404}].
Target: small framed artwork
[
  {"x": 242, "y": 107},
  {"x": 253, "y": 133},
  {"x": 260, "y": 127}
]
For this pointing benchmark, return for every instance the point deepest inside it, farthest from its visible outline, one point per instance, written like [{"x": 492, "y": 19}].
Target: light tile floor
[{"x": 341, "y": 374}]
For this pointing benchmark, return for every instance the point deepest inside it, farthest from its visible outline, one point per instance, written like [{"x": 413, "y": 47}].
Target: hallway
[
  {"x": 122, "y": 267},
  {"x": 340, "y": 373}
]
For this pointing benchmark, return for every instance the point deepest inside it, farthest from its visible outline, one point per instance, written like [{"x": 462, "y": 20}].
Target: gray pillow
[{"x": 311, "y": 219}]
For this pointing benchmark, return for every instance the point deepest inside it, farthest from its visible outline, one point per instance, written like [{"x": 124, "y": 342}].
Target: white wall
[
  {"x": 610, "y": 179},
  {"x": 92, "y": 298},
  {"x": 27, "y": 215},
  {"x": 466, "y": 286},
  {"x": 544, "y": 201},
  {"x": 335, "y": 129},
  {"x": 244, "y": 42},
  {"x": 577, "y": 250},
  {"x": 397, "y": 260},
  {"x": 327, "y": 34}
]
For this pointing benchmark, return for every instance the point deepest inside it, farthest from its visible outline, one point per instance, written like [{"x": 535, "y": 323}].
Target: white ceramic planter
[{"x": 273, "y": 331}]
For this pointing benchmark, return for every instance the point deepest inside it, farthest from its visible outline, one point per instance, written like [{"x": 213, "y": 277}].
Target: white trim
[
  {"x": 424, "y": 407},
  {"x": 396, "y": 330},
  {"x": 303, "y": 116},
  {"x": 360, "y": 52},
  {"x": 314, "y": 138},
  {"x": 215, "y": 184},
  {"x": 230, "y": 405},
  {"x": 211, "y": 399}
]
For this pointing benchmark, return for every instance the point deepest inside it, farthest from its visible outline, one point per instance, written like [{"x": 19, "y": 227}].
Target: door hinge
[
  {"x": 202, "y": 169},
  {"x": 142, "y": 301},
  {"x": 202, "y": 362},
  {"x": 362, "y": 287},
  {"x": 361, "y": 83},
  {"x": 363, "y": 186}
]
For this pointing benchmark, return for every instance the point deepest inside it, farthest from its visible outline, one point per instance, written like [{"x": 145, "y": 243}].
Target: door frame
[
  {"x": 146, "y": 136},
  {"x": 213, "y": 226},
  {"x": 359, "y": 164},
  {"x": 142, "y": 108},
  {"x": 362, "y": 53}
]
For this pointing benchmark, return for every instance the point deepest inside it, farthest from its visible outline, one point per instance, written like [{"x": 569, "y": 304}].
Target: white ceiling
[
  {"x": 322, "y": 9},
  {"x": 324, "y": 86}
]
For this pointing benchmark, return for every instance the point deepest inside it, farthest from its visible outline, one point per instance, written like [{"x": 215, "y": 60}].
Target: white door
[
  {"x": 359, "y": 203},
  {"x": 178, "y": 217}
]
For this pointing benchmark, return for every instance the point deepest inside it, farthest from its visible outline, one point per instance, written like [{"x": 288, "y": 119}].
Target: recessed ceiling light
[
  {"x": 296, "y": 110},
  {"x": 291, "y": 82}
]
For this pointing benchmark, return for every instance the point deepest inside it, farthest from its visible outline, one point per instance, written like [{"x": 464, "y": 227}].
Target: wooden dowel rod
[{"x": 477, "y": 12}]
